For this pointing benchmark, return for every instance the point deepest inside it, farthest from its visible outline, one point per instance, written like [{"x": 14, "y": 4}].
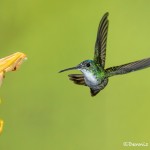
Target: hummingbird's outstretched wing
[
  {"x": 77, "y": 79},
  {"x": 101, "y": 41},
  {"x": 126, "y": 68},
  {"x": 95, "y": 91}
]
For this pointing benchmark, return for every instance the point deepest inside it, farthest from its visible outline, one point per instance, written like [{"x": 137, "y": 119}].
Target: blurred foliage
[{"x": 43, "y": 109}]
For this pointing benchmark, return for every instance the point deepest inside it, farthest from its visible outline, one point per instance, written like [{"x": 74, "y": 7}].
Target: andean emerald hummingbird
[{"x": 95, "y": 76}]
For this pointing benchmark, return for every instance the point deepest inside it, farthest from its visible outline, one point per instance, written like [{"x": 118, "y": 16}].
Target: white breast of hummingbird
[{"x": 90, "y": 78}]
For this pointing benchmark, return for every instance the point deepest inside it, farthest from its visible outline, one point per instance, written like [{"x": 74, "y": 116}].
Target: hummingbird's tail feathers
[
  {"x": 126, "y": 68},
  {"x": 77, "y": 79},
  {"x": 95, "y": 91}
]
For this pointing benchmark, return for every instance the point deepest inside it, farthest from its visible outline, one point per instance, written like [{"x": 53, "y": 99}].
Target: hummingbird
[{"x": 94, "y": 75}]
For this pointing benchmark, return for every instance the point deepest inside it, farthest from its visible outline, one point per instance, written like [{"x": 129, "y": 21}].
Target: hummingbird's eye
[{"x": 88, "y": 64}]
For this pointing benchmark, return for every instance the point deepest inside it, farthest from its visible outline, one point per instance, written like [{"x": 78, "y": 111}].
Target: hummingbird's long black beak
[{"x": 72, "y": 68}]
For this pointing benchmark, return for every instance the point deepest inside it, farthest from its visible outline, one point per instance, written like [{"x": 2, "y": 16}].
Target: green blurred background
[{"x": 43, "y": 109}]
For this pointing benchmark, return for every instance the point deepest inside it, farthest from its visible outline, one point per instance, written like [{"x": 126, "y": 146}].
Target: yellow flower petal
[
  {"x": 1, "y": 125},
  {"x": 10, "y": 63}
]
